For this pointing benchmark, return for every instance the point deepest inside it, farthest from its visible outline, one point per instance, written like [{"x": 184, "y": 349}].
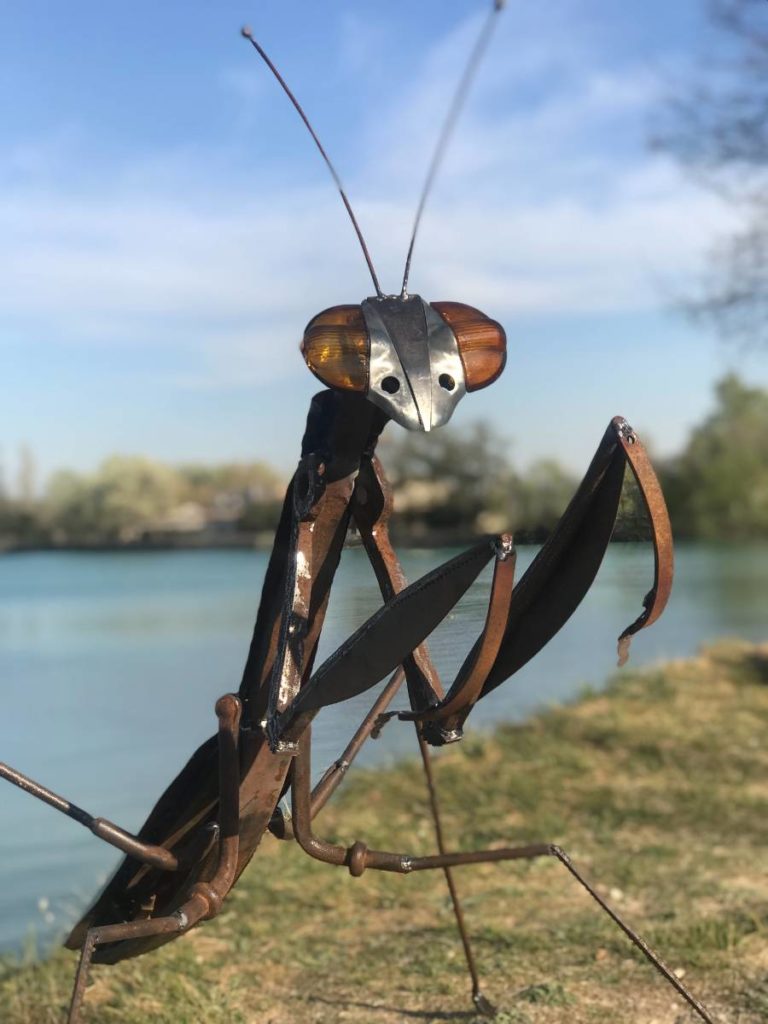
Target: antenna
[
  {"x": 450, "y": 121},
  {"x": 247, "y": 33}
]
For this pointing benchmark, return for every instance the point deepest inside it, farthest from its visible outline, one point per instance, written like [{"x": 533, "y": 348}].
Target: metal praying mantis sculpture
[{"x": 392, "y": 357}]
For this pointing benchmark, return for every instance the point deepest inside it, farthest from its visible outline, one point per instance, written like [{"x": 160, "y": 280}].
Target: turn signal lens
[
  {"x": 336, "y": 348},
  {"x": 482, "y": 342}
]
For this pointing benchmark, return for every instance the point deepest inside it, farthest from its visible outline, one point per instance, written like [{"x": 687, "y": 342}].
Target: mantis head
[{"x": 412, "y": 358}]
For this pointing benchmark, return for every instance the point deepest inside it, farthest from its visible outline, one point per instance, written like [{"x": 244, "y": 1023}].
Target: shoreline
[
  {"x": 657, "y": 788},
  {"x": 264, "y": 541}
]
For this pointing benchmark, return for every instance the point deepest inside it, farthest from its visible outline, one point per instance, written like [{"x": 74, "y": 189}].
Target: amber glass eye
[
  {"x": 336, "y": 348},
  {"x": 482, "y": 342}
]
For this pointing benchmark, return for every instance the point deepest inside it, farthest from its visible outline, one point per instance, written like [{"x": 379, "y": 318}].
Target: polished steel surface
[{"x": 415, "y": 372}]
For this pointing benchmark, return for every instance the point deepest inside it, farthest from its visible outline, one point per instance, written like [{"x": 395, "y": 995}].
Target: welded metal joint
[
  {"x": 435, "y": 733},
  {"x": 357, "y": 859},
  {"x": 504, "y": 546},
  {"x": 625, "y": 431},
  {"x": 272, "y": 728},
  {"x": 309, "y": 485},
  {"x": 381, "y": 721}
]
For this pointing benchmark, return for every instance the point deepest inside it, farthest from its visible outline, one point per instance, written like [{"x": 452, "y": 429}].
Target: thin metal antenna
[
  {"x": 450, "y": 121},
  {"x": 247, "y": 33}
]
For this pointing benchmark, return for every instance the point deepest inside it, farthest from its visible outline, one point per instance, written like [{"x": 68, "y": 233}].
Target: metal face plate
[
  {"x": 446, "y": 366},
  {"x": 416, "y": 374},
  {"x": 384, "y": 365}
]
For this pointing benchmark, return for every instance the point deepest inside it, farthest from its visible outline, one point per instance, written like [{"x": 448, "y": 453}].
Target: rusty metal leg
[
  {"x": 483, "y": 1005},
  {"x": 633, "y": 937},
  {"x": 156, "y": 856},
  {"x": 368, "y": 858},
  {"x": 357, "y": 858},
  {"x": 228, "y": 711},
  {"x": 206, "y": 897},
  {"x": 193, "y": 911},
  {"x": 334, "y": 775},
  {"x": 81, "y": 978},
  {"x": 280, "y": 825}
]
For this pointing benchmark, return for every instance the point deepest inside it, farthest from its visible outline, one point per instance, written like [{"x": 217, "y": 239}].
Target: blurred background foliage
[
  {"x": 716, "y": 127},
  {"x": 449, "y": 486}
]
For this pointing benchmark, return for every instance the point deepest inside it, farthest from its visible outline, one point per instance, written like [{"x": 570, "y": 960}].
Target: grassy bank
[{"x": 658, "y": 788}]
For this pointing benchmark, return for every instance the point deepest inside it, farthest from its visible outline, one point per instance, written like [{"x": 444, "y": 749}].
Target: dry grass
[{"x": 658, "y": 788}]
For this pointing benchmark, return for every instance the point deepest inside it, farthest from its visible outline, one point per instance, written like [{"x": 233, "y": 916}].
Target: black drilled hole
[
  {"x": 391, "y": 385},
  {"x": 446, "y": 381}
]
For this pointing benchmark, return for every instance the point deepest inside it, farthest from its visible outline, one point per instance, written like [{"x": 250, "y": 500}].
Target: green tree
[
  {"x": 123, "y": 498},
  {"x": 71, "y": 507},
  {"x": 718, "y": 488},
  {"x": 539, "y": 497},
  {"x": 251, "y": 492},
  {"x": 255, "y": 481},
  {"x": 458, "y": 484},
  {"x": 447, "y": 479}
]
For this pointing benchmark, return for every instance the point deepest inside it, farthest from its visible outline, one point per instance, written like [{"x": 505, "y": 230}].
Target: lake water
[{"x": 110, "y": 665}]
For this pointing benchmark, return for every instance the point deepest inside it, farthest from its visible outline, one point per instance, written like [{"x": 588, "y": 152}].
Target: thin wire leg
[
  {"x": 367, "y": 728},
  {"x": 633, "y": 937},
  {"x": 358, "y": 858},
  {"x": 482, "y": 1004},
  {"x": 514, "y": 853}
]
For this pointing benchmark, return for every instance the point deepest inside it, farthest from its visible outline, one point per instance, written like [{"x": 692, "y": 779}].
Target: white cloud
[
  {"x": 535, "y": 213},
  {"x": 100, "y": 268}
]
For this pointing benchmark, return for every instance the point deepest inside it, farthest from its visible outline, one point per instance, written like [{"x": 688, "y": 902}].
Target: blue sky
[{"x": 168, "y": 229}]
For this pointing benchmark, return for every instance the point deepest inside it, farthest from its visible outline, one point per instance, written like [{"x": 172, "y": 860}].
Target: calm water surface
[{"x": 110, "y": 665}]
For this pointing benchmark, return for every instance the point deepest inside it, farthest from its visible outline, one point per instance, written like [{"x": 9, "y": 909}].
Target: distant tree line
[
  {"x": 716, "y": 488},
  {"x": 449, "y": 486},
  {"x": 134, "y": 500}
]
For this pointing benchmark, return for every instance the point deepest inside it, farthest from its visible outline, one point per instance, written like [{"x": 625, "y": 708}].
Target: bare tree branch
[{"x": 719, "y": 131}]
